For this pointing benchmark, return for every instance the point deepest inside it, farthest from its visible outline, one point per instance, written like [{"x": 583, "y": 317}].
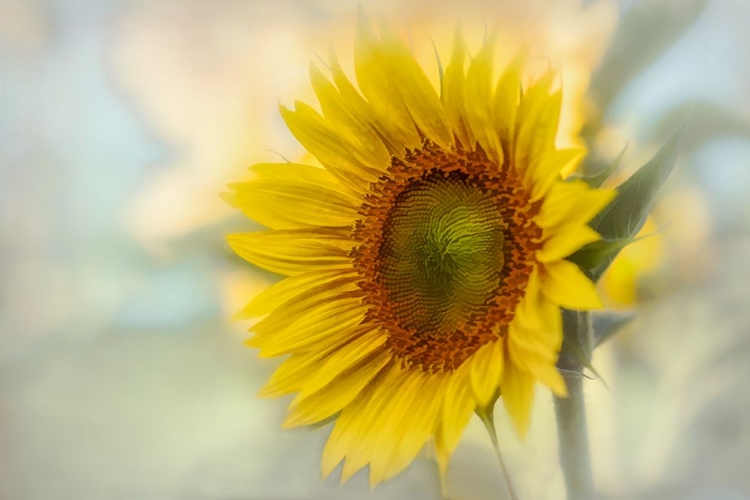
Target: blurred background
[{"x": 121, "y": 375}]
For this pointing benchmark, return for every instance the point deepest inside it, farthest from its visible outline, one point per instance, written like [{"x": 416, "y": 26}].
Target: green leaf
[
  {"x": 627, "y": 213},
  {"x": 607, "y": 324},
  {"x": 623, "y": 218},
  {"x": 596, "y": 257}
]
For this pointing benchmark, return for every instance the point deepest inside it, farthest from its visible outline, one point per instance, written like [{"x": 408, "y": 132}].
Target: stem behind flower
[{"x": 575, "y": 458}]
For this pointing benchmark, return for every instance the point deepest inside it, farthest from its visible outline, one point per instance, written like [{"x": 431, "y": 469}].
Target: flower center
[
  {"x": 442, "y": 254},
  {"x": 445, "y": 247}
]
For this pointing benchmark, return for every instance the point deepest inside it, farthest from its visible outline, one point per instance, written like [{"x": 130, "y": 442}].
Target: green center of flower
[{"x": 442, "y": 255}]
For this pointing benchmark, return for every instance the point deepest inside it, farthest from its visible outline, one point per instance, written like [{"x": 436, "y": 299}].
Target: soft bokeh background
[{"x": 121, "y": 376}]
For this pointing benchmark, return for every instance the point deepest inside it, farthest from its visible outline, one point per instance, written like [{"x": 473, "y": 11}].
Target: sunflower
[{"x": 424, "y": 260}]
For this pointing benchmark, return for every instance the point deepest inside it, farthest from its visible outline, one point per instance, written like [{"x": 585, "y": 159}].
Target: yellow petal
[
  {"x": 565, "y": 284},
  {"x": 294, "y": 251},
  {"x": 370, "y": 416},
  {"x": 374, "y": 70},
  {"x": 412, "y": 420},
  {"x": 518, "y": 397},
  {"x": 338, "y": 441},
  {"x": 536, "y": 313},
  {"x": 418, "y": 94},
  {"x": 550, "y": 376},
  {"x": 393, "y": 141},
  {"x": 319, "y": 406},
  {"x": 486, "y": 372},
  {"x": 347, "y": 122},
  {"x": 331, "y": 342},
  {"x": 479, "y": 78},
  {"x": 332, "y": 151},
  {"x": 281, "y": 291},
  {"x": 553, "y": 167},
  {"x": 298, "y": 172},
  {"x": 538, "y": 119},
  {"x": 292, "y": 373},
  {"x": 336, "y": 320},
  {"x": 290, "y": 204},
  {"x": 527, "y": 311},
  {"x": 305, "y": 301},
  {"x": 569, "y": 160},
  {"x": 506, "y": 100},
  {"x": 550, "y": 317},
  {"x": 542, "y": 141},
  {"x": 458, "y": 406},
  {"x": 340, "y": 362},
  {"x": 479, "y": 96},
  {"x": 563, "y": 243},
  {"x": 572, "y": 202},
  {"x": 454, "y": 92},
  {"x": 530, "y": 354},
  {"x": 353, "y": 424},
  {"x": 525, "y": 348}
]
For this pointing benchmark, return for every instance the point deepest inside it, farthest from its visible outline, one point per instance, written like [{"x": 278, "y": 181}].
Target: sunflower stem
[
  {"x": 489, "y": 423},
  {"x": 575, "y": 459}
]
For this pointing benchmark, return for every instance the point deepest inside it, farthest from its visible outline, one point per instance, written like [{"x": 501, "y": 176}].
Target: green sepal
[
  {"x": 627, "y": 213},
  {"x": 578, "y": 345},
  {"x": 623, "y": 218},
  {"x": 607, "y": 324},
  {"x": 596, "y": 257}
]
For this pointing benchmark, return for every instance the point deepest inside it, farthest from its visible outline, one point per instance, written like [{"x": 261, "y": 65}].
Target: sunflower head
[{"x": 424, "y": 257}]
